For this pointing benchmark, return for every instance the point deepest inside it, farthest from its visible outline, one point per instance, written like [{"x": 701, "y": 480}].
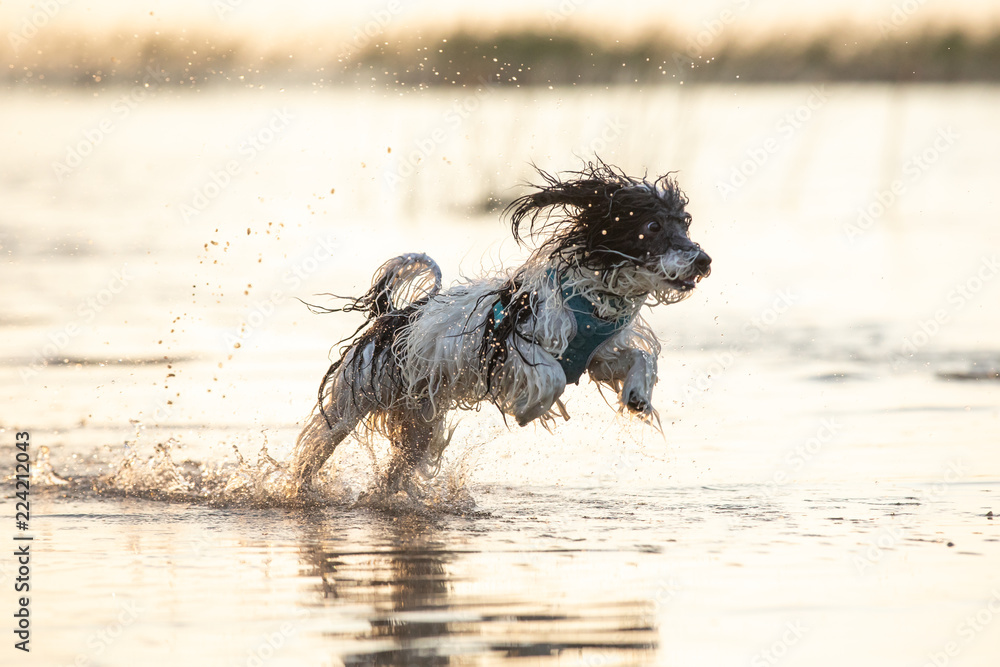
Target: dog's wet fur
[{"x": 615, "y": 241}]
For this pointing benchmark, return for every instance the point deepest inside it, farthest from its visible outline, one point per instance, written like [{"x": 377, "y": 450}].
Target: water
[{"x": 819, "y": 495}]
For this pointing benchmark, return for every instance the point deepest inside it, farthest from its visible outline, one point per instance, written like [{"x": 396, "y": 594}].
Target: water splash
[
  {"x": 269, "y": 483},
  {"x": 42, "y": 473},
  {"x": 264, "y": 482},
  {"x": 445, "y": 493},
  {"x": 439, "y": 487},
  {"x": 156, "y": 476}
]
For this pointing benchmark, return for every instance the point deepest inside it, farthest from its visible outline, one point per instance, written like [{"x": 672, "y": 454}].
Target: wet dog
[{"x": 606, "y": 245}]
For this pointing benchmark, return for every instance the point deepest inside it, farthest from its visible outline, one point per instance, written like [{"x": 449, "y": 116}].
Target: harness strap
[{"x": 591, "y": 332}]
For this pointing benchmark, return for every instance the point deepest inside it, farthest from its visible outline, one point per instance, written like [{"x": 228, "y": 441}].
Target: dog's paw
[
  {"x": 529, "y": 412},
  {"x": 636, "y": 402}
]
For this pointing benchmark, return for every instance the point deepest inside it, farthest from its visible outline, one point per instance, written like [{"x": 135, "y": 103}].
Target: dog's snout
[{"x": 703, "y": 263}]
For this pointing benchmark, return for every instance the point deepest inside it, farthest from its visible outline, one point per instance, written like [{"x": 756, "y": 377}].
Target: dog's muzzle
[{"x": 684, "y": 273}]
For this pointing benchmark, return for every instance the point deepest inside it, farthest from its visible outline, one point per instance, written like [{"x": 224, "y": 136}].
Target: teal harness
[{"x": 591, "y": 332}]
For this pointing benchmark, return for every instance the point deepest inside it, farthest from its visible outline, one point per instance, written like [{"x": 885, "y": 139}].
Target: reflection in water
[{"x": 416, "y": 600}]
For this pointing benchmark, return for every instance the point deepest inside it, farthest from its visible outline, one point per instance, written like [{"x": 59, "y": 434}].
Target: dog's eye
[{"x": 654, "y": 226}]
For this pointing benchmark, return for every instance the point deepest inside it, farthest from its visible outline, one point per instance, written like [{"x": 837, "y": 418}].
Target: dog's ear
[{"x": 585, "y": 198}]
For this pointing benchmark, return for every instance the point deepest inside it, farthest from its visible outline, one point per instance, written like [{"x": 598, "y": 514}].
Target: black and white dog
[{"x": 608, "y": 244}]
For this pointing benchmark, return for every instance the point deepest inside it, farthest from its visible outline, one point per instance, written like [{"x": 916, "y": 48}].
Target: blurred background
[
  {"x": 235, "y": 156},
  {"x": 177, "y": 177}
]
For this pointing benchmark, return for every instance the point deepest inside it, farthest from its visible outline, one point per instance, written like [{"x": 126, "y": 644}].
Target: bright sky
[{"x": 271, "y": 18}]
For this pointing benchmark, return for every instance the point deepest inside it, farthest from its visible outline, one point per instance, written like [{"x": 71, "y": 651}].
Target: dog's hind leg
[
  {"x": 418, "y": 440},
  {"x": 316, "y": 444},
  {"x": 350, "y": 391}
]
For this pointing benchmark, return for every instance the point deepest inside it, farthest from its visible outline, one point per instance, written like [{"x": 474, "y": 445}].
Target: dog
[{"x": 606, "y": 244}]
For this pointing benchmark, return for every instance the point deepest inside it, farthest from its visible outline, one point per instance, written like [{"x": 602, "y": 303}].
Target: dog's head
[{"x": 607, "y": 221}]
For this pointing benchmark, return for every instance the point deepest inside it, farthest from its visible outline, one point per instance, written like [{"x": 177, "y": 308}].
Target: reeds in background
[{"x": 57, "y": 57}]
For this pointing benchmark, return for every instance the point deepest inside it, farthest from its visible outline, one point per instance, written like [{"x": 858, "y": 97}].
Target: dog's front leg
[
  {"x": 637, "y": 390},
  {"x": 629, "y": 371},
  {"x": 532, "y": 381}
]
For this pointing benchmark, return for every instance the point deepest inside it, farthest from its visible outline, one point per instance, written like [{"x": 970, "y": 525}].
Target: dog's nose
[{"x": 703, "y": 264}]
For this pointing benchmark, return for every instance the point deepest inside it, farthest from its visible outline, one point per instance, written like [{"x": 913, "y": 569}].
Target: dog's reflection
[{"x": 417, "y": 600}]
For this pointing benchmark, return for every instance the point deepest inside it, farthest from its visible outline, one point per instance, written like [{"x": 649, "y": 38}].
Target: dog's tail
[{"x": 398, "y": 284}]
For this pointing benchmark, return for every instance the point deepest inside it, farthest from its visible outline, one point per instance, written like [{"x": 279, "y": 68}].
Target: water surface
[{"x": 820, "y": 494}]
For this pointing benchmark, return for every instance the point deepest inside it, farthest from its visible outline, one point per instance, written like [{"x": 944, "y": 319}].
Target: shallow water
[{"x": 821, "y": 492}]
